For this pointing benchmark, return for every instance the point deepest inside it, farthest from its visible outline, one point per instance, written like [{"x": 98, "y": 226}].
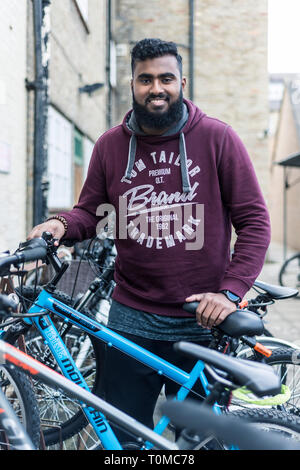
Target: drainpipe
[
  {"x": 40, "y": 87},
  {"x": 191, "y": 49},
  {"x": 108, "y": 58}
]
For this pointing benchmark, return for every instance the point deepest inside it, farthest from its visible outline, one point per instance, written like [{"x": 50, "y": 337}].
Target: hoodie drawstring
[
  {"x": 186, "y": 186},
  {"x": 131, "y": 157}
]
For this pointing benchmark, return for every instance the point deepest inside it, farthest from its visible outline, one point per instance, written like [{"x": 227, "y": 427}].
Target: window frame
[
  {"x": 83, "y": 13},
  {"x": 60, "y": 141}
]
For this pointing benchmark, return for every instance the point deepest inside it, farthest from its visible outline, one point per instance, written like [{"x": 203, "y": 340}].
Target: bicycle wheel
[
  {"x": 19, "y": 392},
  {"x": 279, "y": 422},
  {"x": 285, "y": 424},
  {"x": 62, "y": 417},
  {"x": 286, "y": 363},
  {"x": 289, "y": 274},
  {"x": 270, "y": 342}
]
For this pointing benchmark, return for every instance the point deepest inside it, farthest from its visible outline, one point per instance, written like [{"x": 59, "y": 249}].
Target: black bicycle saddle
[
  {"x": 237, "y": 324},
  {"x": 255, "y": 376},
  {"x": 276, "y": 292}
]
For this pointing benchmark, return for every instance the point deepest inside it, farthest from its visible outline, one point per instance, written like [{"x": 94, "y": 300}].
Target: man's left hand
[{"x": 212, "y": 309}]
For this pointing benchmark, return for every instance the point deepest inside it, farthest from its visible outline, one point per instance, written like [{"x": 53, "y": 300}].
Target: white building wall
[{"x": 12, "y": 123}]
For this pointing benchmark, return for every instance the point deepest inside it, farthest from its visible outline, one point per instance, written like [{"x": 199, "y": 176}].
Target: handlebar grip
[
  {"x": 35, "y": 254},
  {"x": 6, "y": 303},
  {"x": 32, "y": 250},
  {"x": 190, "y": 307},
  {"x": 6, "y": 261}
]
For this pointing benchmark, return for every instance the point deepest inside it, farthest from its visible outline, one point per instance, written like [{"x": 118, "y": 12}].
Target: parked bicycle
[
  {"x": 15, "y": 432},
  {"x": 17, "y": 397},
  {"x": 229, "y": 374},
  {"x": 61, "y": 357},
  {"x": 101, "y": 253},
  {"x": 282, "y": 356},
  {"x": 227, "y": 429},
  {"x": 202, "y": 421},
  {"x": 289, "y": 274}
]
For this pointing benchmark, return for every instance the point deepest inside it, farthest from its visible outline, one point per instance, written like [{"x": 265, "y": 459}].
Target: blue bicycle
[{"x": 47, "y": 305}]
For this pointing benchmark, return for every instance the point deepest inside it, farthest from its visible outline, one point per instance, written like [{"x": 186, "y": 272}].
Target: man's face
[{"x": 157, "y": 92}]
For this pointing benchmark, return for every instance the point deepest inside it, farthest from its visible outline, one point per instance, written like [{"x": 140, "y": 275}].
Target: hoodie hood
[{"x": 191, "y": 116}]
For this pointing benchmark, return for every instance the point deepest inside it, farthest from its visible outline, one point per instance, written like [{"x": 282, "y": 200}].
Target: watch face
[{"x": 231, "y": 296}]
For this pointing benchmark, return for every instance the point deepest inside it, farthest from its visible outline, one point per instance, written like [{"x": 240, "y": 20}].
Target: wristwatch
[{"x": 231, "y": 296}]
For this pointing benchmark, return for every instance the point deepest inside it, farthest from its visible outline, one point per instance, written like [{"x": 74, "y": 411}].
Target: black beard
[{"x": 157, "y": 120}]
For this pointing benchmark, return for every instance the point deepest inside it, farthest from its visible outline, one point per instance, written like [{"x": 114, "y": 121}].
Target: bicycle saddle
[
  {"x": 255, "y": 376},
  {"x": 237, "y": 324},
  {"x": 276, "y": 292},
  {"x": 242, "y": 323}
]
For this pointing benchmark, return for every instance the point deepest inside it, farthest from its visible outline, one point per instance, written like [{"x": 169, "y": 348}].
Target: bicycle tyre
[
  {"x": 78, "y": 421},
  {"x": 286, "y": 362},
  {"x": 266, "y": 419},
  {"x": 272, "y": 419},
  {"x": 19, "y": 392},
  {"x": 289, "y": 274},
  {"x": 270, "y": 342}
]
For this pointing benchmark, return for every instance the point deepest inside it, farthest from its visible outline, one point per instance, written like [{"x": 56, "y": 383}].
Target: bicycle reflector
[{"x": 263, "y": 350}]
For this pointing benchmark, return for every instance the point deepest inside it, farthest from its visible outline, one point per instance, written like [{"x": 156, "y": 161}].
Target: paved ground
[{"x": 284, "y": 316}]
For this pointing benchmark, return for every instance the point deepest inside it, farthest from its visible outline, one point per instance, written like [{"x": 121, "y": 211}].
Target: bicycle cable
[{"x": 77, "y": 274}]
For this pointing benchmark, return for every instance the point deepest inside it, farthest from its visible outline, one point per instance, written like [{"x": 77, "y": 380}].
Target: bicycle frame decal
[
  {"x": 73, "y": 316},
  {"x": 8, "y": 357}
]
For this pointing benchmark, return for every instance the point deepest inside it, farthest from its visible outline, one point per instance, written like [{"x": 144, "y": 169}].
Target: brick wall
[
  {"x": 231, "y": 77},
  {"x": 78, "y": 58},
  {"x": 230, "y": 60},
  {"x": 149, "y": 19}
]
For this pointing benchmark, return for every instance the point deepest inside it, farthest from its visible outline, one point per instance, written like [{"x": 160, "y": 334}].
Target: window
[
  {"x": 78, "y": 148},
  {"x": 88, "y": 147},
  {"x": 59, "y": 161},
  {"x": 78, "y": 161},
  {"x": 5, "y": 158},
  {"x": 113, "y": 64},
  {"x": 83, "y": 148},
  {"x": 83, "y": 7}
]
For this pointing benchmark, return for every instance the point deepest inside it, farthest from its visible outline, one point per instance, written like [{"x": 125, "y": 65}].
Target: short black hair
[{"x": 150, "y": 48}]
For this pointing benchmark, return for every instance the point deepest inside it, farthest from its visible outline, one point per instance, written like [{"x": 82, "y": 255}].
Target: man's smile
[{"x": 157, "y": 102}]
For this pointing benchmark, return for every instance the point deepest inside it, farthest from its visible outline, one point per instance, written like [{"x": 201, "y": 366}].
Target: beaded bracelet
[{"x": 61, "y": 219}]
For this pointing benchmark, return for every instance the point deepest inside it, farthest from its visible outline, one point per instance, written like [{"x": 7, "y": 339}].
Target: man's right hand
[{"x": 54, "y": 226}]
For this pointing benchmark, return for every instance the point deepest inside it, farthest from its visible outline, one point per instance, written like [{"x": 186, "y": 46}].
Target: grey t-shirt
[{"x": 152, "y": 326}]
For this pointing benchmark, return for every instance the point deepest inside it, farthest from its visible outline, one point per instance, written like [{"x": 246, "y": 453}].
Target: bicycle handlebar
[
  {"x": 191, "y": 307},
  {"x": 32, "y": 250}
]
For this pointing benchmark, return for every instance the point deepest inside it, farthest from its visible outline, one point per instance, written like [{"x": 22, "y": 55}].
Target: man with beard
[{"x": 183, "y": 176}]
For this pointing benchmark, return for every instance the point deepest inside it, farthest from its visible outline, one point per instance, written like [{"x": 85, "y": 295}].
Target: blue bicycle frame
[{"x": 46, "y": 302}]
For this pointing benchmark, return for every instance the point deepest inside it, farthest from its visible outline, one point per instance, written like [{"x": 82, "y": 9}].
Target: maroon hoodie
[{"x": 176, "y": 197}]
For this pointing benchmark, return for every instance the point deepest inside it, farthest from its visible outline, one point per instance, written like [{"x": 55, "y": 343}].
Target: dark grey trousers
[{"x": 133, "y": 387}]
